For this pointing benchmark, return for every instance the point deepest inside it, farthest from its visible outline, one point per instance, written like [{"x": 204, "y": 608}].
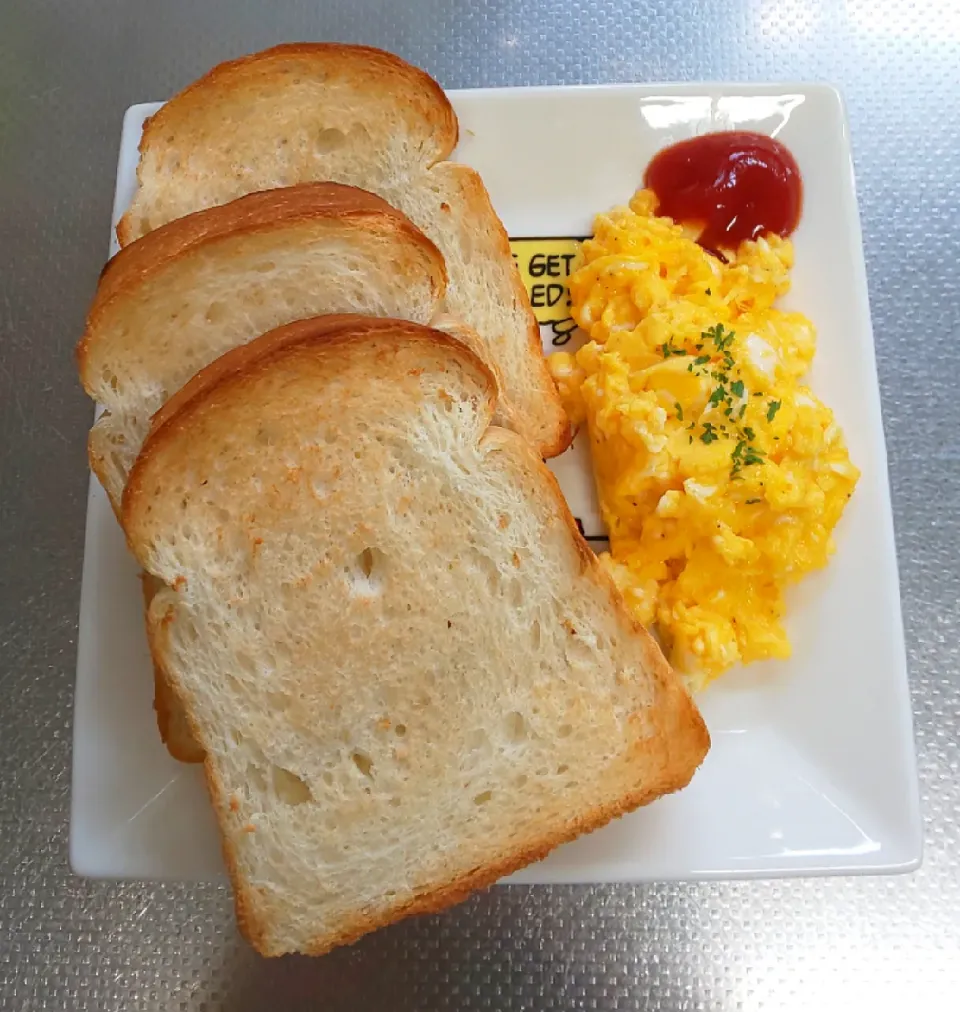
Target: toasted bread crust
[
  {"x": 678, "y": 723},
  {"x": 259, "y": 208},
  {"x": 339, "y": 327},
  {"x": 552, "y": 440},
  {"x": 443, "y": 896},
  {"x": 260, "y": 212},
  {"x": 380, "y": 70},
  {"x": 175, "y": 731}
]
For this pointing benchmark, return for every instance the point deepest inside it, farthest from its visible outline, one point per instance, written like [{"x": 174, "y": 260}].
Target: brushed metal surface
[{"x": 68, "y": 68}]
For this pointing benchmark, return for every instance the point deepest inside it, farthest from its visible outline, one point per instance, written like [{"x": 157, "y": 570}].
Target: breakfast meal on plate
[
  {"x": 351, "y": 114},
  {"x": 409, "y": 673},
  {"x": 720, "y": 474},
  {"x": 325, "y": 417}
]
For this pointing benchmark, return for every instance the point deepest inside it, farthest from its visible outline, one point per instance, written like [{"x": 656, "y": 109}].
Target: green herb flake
[
  {"x": 749, "y": 433},
  {"x": 736, "y": 388},
  {"x": 679, "y": 411},
  {"x": 701, "y": 359},
  {"x": 667, "y": 349},
  {"x": 718, "y": 395},
  {"x": 722, "y": 339},
  {"x": 772, "y": 408},
  {"x": 750, "y": 502}
]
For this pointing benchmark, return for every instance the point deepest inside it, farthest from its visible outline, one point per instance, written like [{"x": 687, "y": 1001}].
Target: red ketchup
[{"x": 734, "y": 186}]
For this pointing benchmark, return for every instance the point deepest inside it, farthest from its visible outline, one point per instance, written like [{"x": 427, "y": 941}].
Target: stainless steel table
[{"x": 68, "y": 68}]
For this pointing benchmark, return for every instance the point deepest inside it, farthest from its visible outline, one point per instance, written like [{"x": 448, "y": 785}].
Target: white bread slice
[
  {"x": 360, "y": 116},
  {"x": 183, "y": 295},
  {"x": 408, "y": 671}
]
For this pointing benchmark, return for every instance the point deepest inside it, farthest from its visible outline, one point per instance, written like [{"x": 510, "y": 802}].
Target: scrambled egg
[{"x": 720, "y": 475}]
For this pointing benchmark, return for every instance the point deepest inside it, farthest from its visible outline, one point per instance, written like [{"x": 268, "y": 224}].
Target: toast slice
[
  {"x": 407, "y": 669},
  {"x": 360, "y": 116},
  {"x": 173, "y": 302}
]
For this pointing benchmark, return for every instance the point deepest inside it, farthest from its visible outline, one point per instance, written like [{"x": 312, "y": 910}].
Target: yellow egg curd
[{"x": 720, "y": 475}]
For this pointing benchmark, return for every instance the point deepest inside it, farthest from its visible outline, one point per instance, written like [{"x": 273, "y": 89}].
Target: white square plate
[{"x": 812, "y": 769}]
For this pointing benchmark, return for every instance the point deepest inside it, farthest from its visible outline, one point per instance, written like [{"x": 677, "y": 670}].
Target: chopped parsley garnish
[
  {"x": 667, "y": 349},
  {"x": 718, "y": 395},
  {"x": 772, "y": 408},
  {"x": 721, "y": 338},
  {"x": 745, "y": 453},
  {"x": 750, "y": 502},
  {"x": 679, "y": 411}
]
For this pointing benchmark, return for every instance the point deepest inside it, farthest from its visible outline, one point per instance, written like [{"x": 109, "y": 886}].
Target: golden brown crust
[
  {"x": 673, "y": 777},
  {"x": 551, "y": 443},
  {"x": 249, "y": 211},
  {"x": 458, "y": 889},
  {"x": 175, "y": 731},
  {"x": 264, "y": 211},
  {"x": 99, "y": 467},
  {"x": 382, "y": 70}
]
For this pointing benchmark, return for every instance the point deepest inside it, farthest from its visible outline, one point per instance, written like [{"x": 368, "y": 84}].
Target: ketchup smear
[{"x": 735, "y": 185}]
